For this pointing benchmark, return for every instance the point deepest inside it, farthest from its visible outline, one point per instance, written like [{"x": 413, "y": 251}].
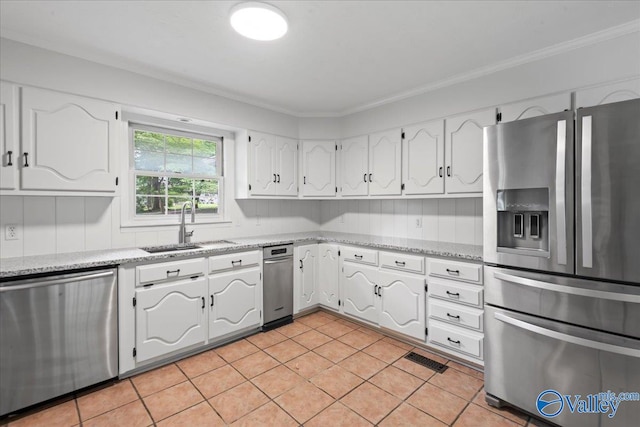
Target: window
[{"x": 172, "y": 167}]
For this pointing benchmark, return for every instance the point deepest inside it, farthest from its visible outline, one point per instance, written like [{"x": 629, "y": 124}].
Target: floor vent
[{"x": 425, "y": 361}]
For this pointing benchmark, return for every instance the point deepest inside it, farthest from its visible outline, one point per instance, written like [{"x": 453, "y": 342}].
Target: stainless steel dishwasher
[
  {"x": 57, "y": 334},
  {"x": 277, "y": 294}
]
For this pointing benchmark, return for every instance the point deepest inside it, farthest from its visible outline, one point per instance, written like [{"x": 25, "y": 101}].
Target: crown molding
[{"x": 112, "y": 61}]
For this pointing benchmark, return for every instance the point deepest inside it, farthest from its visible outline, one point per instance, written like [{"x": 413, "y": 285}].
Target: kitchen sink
[
  {"x": 218, "y": 244},
  {"x": 159, "y": 249}
]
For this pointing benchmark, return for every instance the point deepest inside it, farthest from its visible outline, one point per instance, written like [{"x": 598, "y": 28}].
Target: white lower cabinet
[
  {"x": 402, "y": 303},
  {"x": 328, "y": 275},
  {"x": 359, "y": 290},
  {"x": 305, "y": 277},
  {"x": 170, "y": 317},
  {"x": 235, "y": 302}
]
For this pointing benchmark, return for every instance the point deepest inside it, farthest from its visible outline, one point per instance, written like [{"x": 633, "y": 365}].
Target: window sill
[{"x": 146, "y": 224}]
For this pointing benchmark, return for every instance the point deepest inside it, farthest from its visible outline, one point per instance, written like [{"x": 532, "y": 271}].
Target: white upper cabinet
[
  {"x": 607, "y": 94},
  {"x": 262, "y": 164},
  {"x": 8, "y": 135},
  {"x": 535, "y": 107},
  {"x": 385, "y": 161},
  {"x": 273, "y": 165},
  {"x": 68, "y": 142},
  {"x": 423, "y": 158},
  {"x": 463, "y": 154},
  {"x": 329, "y": 275},
  {"x": 319, "y": 168},
  {"x": 287, "y": 166},
  {"x": 354, "y": 168}
]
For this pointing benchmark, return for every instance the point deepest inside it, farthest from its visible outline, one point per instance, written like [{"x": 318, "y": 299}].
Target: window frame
[{"x": 133, "y": 219}]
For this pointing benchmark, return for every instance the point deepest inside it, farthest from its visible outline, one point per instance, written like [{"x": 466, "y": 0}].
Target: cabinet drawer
[
  {"x": 456, "y": 314},
  {"x": 456, "y": 292},
  {"x": 361, "y": 255},
  {"x": 169, "y": 271},
  {"x": 231, "y": 261},
  {"x": 456, "y": 339},
  {"x": 456, "y": 270},
  {"x": 404, "y": 262}
]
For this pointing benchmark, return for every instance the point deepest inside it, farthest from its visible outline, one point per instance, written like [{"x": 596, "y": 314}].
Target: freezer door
[
  {"x": 528, "y": 193},
  {"x": 607, "y": 191},
  {"x": 526, "y": 356}
]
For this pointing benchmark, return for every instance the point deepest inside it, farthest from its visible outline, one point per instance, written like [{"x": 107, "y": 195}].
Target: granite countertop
[{"x": 21, "y": 266}]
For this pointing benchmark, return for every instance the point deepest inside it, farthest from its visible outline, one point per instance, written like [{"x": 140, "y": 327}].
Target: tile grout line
[
  {"x": 189, "y": 379},
  {"x": 153, "y": 422}
]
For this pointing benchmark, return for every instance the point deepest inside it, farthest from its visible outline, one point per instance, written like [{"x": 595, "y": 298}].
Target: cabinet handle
[
  {"x": 453, "y": 294},
  {"x": 274, "y": 178},
  {"x": 278, "y": 178},
  {"x": 400, "y": 263},
  {"x": 177, "y": 272},
  {"x": 380, "y": 291},
  {"x": 365, "y": 177},
  {"x": 304, "y": 180},
  {"x": 301, "y": 266},
  {"x": 453, "y": 272},
  {"x": 375, "y": 290},
  {"x": 448, "y": 170},
  {"x": 440, "y": 171},
  {"x": 9, "y": 162},
  {"x": 211, "y": 300},
  {"x": 453, "y": 341},
  {"x": 233, "y": 263},
  {"x": 453, "y": 317},
  {"x": 357, "y": 256},
  {"x": 370, "y": 175},
  {"x": 26, "y": 160},
  {"x": 202, "y": 302}
]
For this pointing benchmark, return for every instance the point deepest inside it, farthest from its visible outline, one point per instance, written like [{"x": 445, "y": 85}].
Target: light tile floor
[{"x": 320, "y": 370}]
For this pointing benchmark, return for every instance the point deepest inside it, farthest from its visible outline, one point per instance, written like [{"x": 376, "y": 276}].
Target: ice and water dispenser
[{"x": 523, "y": 221}]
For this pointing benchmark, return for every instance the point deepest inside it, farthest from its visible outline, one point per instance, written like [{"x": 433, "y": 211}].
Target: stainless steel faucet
[{"x": 185, "y": 236}]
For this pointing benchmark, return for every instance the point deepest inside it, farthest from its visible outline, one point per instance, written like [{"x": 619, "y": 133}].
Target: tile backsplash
[{"x": 443, "y": 220}]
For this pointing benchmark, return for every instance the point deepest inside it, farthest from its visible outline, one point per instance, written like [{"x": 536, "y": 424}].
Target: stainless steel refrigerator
[{"x": 562, "y": 264}]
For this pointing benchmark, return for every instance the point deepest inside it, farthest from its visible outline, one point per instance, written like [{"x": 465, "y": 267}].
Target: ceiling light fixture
[{"x": 258, "y": 21}]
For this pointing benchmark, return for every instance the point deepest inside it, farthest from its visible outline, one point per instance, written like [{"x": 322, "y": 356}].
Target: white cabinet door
[
  {"x": 402, "y": 303},
  {"x": 354, "y": 168},
  {"x": 463, "y": 151},
  {"x": 359, "y": 289},
  {"x": 621, "y": 91},
  {"x": 287, "y": 166},
  {"x": 423, "y": 158},
  {"x": 535, "y": 107},
  {"x": 262, "y": 164},
  {"x": 329, "y": 275},
  {"x": 8, "y": 135},
  {"x": 68, "y": 142},
  {"x": 319, "y": 168},
  {"x": 306, "y": 277},
  {"x": 234, "y": 302},
  {"x": 385, "y": 161},
  {"x": 170, "y": 317}
]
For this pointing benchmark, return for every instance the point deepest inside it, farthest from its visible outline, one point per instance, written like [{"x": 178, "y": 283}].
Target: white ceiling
[{"x": 338, "y": 56}]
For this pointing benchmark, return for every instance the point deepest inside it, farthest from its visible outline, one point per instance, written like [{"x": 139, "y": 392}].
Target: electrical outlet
[
  {"x": 11, "y": 232},
  {"x": 418, "y": 222}
]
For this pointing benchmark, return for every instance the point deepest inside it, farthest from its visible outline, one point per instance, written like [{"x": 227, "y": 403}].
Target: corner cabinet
[
  {"x": 68, "y": 142},
  {"x": 463, "y": 151},
  {"x": 319, "y": 168},
  {"x": 328, "y": 275},
  {"x": 305, "y": 277},
  {"x": 272, "y": 165}
]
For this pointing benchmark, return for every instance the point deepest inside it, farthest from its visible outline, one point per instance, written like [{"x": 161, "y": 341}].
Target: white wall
[{"x": 444, "y": 220}]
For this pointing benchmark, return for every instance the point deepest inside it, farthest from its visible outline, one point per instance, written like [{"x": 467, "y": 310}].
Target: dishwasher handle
[
  {"x": 60, "y": 281},
  {"x": 278, "y": 260}
]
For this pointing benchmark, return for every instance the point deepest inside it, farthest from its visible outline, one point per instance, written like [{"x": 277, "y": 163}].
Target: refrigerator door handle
[
  {"x": 585, "y": 194},
  {"x": 592, "y": 293},
  {"x": 610, "y": 348},
  {"x": 561, "y": 212}
]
